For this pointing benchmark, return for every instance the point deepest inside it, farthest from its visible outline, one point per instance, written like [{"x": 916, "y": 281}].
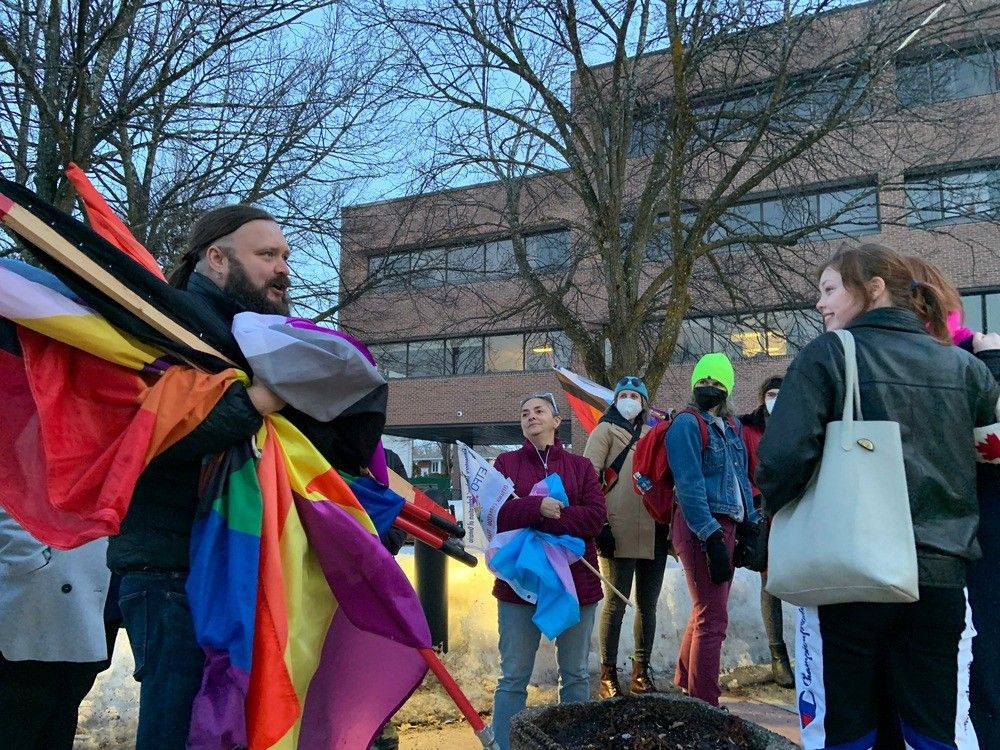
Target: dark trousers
[
  {"x": 648, "y": 576},
  {"x": 854, "y": 662},
  {"x": 168, "y": 661},
  {"x": 40, "y": 700},
  {"x": 984, "y": 596}
]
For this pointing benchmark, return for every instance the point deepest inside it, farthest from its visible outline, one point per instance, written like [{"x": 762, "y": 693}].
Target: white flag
[{"x": 484, "y": 491}]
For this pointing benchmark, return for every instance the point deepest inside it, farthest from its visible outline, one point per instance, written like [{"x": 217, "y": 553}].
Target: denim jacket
[{"x": 715, "y": 481}]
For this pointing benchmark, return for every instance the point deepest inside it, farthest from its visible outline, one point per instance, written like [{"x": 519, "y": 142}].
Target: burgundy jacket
[{"x": 584, "y": 517}]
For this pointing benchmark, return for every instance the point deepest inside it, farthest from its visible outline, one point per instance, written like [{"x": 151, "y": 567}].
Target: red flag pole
[{"x": 483, "y": 732}]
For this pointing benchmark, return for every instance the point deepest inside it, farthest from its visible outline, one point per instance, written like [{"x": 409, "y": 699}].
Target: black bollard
[{"x": 431, "y": 570}]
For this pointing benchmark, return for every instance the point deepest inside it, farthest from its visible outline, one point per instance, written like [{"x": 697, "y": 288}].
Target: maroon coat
[
  {"x": 753, "y": 431},
  {"x": 584, "y": 517}
]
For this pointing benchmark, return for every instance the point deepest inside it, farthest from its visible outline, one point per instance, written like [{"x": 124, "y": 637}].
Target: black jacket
[
  {"x": 937, "y": 393},
  {"x": 156, "y": 532}
]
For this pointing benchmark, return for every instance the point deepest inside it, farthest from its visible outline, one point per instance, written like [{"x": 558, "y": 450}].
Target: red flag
[{"x": 106, "y": 223}]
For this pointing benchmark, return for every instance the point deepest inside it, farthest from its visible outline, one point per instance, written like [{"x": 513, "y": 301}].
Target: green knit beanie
[{"x": 716, "y": 366}]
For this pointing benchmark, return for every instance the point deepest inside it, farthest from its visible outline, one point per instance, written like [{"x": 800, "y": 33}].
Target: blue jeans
[
  {"x": 519, "y": 639},
  {"x": 168, "y": 660}
]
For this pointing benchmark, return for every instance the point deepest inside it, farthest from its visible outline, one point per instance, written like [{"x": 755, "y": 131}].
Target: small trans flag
[{"x": 535, "y": 564}]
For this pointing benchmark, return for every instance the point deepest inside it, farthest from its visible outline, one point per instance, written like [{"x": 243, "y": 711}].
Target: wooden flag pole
[
  {"x": 35, "y": 231},
  {"x": 611, "y": 586}
]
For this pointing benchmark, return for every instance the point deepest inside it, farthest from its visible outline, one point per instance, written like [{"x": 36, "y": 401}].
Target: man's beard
[{"x": 255, "y": 299}]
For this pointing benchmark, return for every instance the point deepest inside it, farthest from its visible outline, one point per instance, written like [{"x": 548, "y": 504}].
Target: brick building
[{"x": 445, "y": 322}]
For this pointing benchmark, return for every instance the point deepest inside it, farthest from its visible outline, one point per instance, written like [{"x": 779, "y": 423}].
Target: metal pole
[{"x": 431, "y": 570}]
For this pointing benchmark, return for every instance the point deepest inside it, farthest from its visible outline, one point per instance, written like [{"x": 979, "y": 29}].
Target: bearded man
[{"x": 236, "y": 261}]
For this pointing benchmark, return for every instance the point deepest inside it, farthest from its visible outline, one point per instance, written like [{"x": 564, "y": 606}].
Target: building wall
[{"x": 878, "y": 151}]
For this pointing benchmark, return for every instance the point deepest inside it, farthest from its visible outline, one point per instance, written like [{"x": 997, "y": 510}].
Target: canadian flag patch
[{"x": 988, "y": 443}]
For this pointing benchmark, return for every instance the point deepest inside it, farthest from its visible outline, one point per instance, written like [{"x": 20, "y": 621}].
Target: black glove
[
  {"x": 720, "y": 567},
  {"x": 751, "y": 546},
  {"x": 394, "y": 540},
  {"x": 606, "y": 542}
]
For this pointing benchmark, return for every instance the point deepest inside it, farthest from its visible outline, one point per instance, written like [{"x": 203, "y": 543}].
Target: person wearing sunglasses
[{"x": 631, "y": 545}]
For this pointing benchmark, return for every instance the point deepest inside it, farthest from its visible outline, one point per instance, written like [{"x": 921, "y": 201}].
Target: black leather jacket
[{"x": 937, "y": 393}]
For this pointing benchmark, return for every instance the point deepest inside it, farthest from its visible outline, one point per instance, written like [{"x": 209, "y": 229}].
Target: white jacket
[{"x": 51, "y": 600}]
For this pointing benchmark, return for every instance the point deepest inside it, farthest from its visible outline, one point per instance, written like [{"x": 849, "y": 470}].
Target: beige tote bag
[{"x": 849, "y": 538}]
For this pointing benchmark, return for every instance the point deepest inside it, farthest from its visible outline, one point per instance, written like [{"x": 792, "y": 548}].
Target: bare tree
[
  {"x": 647, "y": 130},
  {"x": 178, "y": 106}
]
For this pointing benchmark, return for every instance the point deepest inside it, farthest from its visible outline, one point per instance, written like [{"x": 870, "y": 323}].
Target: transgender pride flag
[{"x": 535, "y": 564}]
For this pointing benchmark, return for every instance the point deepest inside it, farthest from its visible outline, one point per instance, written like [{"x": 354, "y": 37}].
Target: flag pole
[{"x": 610, "y": 585}]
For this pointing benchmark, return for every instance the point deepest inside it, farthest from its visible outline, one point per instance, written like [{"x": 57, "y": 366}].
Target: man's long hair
[{"x": 209, "y": 227}]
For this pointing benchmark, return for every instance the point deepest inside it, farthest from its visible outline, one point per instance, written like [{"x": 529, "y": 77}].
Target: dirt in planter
[{"x": 636, "y": 727}]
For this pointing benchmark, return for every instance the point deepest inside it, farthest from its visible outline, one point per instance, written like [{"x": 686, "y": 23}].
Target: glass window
[
  {"x": 949, "y": 76},
  {"x": 547, "y": 251},
  {"x": 543, "y": 350},
  {"x": 466, "y": 265},
  {"x": 428, "y": 269},
  {"x": 992, "y": 322},
  {"x": 464, "y": 356},
  {"x": 851, "y": 211},
  {"x": 390, "y": 359},
  {"x": 504, "y": 353},
  {"x": 391, "y": 271},
  {"x": 972, "y": 311},
  {"x": 693, "y": 340},
  {"x": 426, "y": 358},
  {"x": 795, "y": 328},
  {"x": 500, "y": 258},
  {"x": 953, "y": 197}
]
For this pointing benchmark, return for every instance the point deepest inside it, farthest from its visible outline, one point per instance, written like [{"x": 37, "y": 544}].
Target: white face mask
[
  {"x": 769, "y": 403},
  {"x": 629, "y": 408}
]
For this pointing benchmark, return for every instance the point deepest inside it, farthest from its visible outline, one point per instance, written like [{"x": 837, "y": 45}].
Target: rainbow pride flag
[{"x": 293, "y": 598}]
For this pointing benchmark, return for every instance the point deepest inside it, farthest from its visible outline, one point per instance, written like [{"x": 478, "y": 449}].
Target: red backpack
[{"x": 652, "y": 477}]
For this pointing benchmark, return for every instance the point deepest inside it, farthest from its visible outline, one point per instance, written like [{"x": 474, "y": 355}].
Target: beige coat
[{"x": 632, "y": 526}]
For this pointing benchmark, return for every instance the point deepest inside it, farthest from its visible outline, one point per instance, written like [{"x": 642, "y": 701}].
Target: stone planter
[{"x": 648, "y": 722}]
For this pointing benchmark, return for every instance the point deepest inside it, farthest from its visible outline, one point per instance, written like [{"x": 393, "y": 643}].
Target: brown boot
[
  {"x": 609, "y": 682},
  {"x": 641, "y": 681},
  {"x": 780, "y": 667}
]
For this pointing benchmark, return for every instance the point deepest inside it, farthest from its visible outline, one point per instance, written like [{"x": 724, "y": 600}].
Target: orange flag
[{"x": 106, "y": 223}]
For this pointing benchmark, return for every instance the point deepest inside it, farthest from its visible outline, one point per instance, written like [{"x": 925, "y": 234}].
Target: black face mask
[{"x": 708, "y": 396}]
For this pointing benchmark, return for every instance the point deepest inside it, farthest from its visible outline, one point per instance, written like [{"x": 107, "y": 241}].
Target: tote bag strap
[{"x": 852, "y": 388}]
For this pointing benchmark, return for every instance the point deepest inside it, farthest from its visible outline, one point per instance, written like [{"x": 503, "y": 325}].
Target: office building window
[
  {"x": 504, "y": 353},
  {"x": 543, "y": 350},
  {"x": 953, "y": 197},
  {"x": 428, "y": 269},
  {"x": 426, "y": 358},
  {"x": 391, "y": 271},
  {"x": 500, "y": 259},
  {"x": 466, "y": 264},
  {"x": 548, "y": 251},
  {"x": 464, "y": 356},
  {"x": 950, "y": 75},
  {"x": 823, "y": 214},
  {"x": 775, "y": 333},
  {"x": 390, "y": 359},
  {"x": 982, "y": 311}
]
